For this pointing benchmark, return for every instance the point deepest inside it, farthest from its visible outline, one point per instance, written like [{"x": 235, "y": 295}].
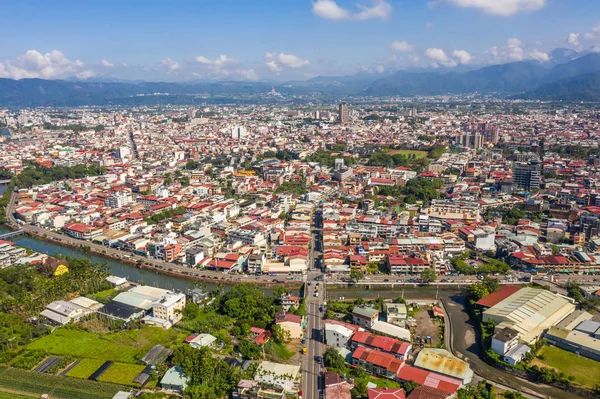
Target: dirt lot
[{"x": 427, "y": 326}]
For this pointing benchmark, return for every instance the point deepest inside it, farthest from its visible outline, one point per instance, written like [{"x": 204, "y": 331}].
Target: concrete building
[
  {"x": 530, "y": 312},
  {"x": 238, "y": 132},
  {"x": 364, "y": 316},
  {"x": 338, "y": 333},
  {"x": 577, "y": 333},
  {"x": 443, "y": 362},
  {"x": 344, "y": 116},
  {"x": 526, "y": 175},
  {"x": 285, "y": 376},
  {"x": 119, "y": 199},
  {"x": 169, "y": 308}
]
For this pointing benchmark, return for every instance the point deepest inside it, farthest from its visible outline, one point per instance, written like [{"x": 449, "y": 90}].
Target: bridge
[
  {"x": 12, "y": 234},
  {"x": 4, "y": 182}
]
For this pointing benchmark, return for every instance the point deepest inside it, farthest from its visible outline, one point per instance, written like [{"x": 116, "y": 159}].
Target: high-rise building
[
  {"x": 474, "y": 140},
  {"x": 119, "y": 199},
  {"x": 123, "y": 152},
  {"x": 339, "y": 164},
  {"x": 238, "y": 132},
  {"x": 344, "y": 115},
  {"x": 526, "y": 175}
]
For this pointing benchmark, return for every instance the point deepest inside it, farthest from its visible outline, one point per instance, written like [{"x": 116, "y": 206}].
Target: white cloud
[
  {"x": 403, "y": 46},
  {"x": 107, "y": 64},
  {"x": 413, "y": 58},
  {"x": 169, "y": 65},
  {"x": 379, "y": 68},
  {"x": 516, "y": 50},
  {"x": 501, "y": 7},
  {"x": 461, "y": 56},
  {"x": 539, "y": 56},
  {"x": 439, "y": 57},
  {"x": 573, "y": 40},
  {"x": 85, "y": 74},
  {"x": 220, "y": 60},
  {"x": 594, "y": 34},
  {"x": 245, "y": 74},
  {"x": 275, "y": 62},
  {"x": 34, "y": 64},
  {"x": 429, "y": 26},
  {"x": 329, "y": 9}
]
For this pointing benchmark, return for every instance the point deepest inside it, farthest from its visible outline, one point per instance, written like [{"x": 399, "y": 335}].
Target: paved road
[
  {"x": 183, "y": 271},
  {"x": 465, "y": 341},
  {"x": 312, "y": 382}
]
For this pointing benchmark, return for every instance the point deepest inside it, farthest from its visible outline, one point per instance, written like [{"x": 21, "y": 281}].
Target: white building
[
  {"x": 338, "y": 334},
  {"x": 170, "y": 307},
  {"x": 484, "y": 238},
  {"x": 238, "y": 132},
  {"x": 119, "y": 199},
  {"x": 285, "y": 376},
  {"x": 123, "y": 152}
]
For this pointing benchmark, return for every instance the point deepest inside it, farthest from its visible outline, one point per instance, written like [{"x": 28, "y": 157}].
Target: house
[
  {"x": 200, "y": 340},
  {"x": 288, "y": 300},
  {"x": 338, "y": 333},
  {"x": 386, "y": 393},
  {"x": 397, "y": 348},
  {"x": 336, "y": 387},
  {"x": 391, "y": 330},
  {"x": 426, "y": 392},
  {"x": 291, "y": 323},
  {"x": 54, "y": 266},
  {"x": 284, "y": 376},
  {"x": 364, "y": 316},
  {"x": 396, "y": 313},
  {"x": 376, "y": 362},
  {"x": 174, "y": 380},
  {"x": 443, "y": 362},
  {"x": 61, "y": 312},
  {"x": 169, "y": 307}
]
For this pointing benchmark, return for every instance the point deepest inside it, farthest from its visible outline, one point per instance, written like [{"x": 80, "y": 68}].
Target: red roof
[
  {"x": 385, "y": 344},
  {"x": 498, "y": 296},
  {"x": 386, "y": 393}
]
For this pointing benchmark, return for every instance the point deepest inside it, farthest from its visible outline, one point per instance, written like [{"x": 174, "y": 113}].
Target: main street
[{"x": 312, "y": 381}]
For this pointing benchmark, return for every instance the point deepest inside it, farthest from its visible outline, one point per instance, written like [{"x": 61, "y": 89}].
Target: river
[{"x": 148, "y": 277}]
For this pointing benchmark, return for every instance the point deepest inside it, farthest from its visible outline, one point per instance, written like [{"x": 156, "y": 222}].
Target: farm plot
[{"x": 122, "y": 373}]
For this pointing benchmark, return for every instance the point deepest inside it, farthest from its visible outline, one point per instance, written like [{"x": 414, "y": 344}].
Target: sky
[{"x": 281, "y": 40}]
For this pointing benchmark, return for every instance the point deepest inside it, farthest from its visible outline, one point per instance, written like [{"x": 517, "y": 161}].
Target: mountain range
[{"x": 569, "y": 76}]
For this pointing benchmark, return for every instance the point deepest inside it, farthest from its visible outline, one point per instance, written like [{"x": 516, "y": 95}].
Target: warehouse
[
  {"x": 443, "y": 362},
  {"x": 530, "y": 312},
  {"x": 577, "y": 333}
]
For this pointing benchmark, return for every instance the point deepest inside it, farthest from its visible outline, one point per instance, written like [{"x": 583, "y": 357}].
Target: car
[
  {"x": 385, "y": 280},
  {"x": 399, "y": 280},
  {"x": 318, "y": 359},
  {"x": 309, "y": 283}
]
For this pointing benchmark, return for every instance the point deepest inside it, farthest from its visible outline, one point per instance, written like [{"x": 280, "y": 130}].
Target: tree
[
  {"x": 356, "y": 275},
  {"x": 280, "y": 334},
  {"x": 249, "y": 349},
  {"x": 428, "y": 276},
  {"x": 333, "y": 359}
]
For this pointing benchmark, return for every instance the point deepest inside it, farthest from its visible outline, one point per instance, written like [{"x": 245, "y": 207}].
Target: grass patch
[
  {"x": 384, "y": 382},
  {"x": 85, "y": 368},
  {"x": 104, "y": 296},
  {"x": 122, "y": 373},
  {"x": 123, "y": 346},
  {"x": 278, "y": 352},
  {"x": 15, "y": 380},
  {"x": 586, "y": 371},
  {"x": 418, "y": 154},
  {"x": 6, "y": 395}
]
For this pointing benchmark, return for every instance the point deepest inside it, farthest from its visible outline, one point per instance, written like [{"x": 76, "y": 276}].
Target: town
[{"x": 327, "y": 246}]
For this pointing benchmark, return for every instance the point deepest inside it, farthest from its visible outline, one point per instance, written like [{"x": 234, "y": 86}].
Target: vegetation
[
  {"x": 488, "y": 266},
  {"x": 428, "y": 276},
  {"x": 28, "y": 359},
  {"x": 574, "y": 291},
  {"x": 209, "y": 377},
  {"x": 325, "y": 158},
  {"x": 62, "y": 387},
  {"x": 356, "y": 274},
  {"x": 483, "y": 390},
  {"x": 248, "y": 303},
  {"x": 15, "y": 333},
  {"x": 122, "y": 373},
  {"x": 249, "y": 349},
  {"x": 123, "y": 346},
  {"x": 21, "y": 288},
  {"x": 292, "y": 188},
  {"x": 397, "y": 158},
  {"x": 166, "y": 214},
  {"x": 85, "y": 368},
  {"x": 584, "y": 371},
  {"x": 415, "y": 190},
  {"x": 436, "y": 151},
  {"x": 278, "y": 351},
  {"x": 34, "y": 174}
]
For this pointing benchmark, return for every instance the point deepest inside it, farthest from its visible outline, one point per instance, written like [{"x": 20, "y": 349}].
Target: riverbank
[{"x": 152, "y": 265}]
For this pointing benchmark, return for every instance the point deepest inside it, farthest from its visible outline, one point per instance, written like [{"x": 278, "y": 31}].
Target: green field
[
  {"x": 278, "y": 352},
  {"x": 103, "y": 296},
  {"x": 121, "y": 373},
  {"x": 6, "y": 395},
  {"x": 57, "y": 387},
  {"x": 124, "y": 346},
  {"x": 417, "y": 153},
  {"x": 85, "y": 368},
  {"x": 586, "y": 371}
]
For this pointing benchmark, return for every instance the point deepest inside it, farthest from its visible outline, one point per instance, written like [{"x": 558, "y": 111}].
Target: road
[
  {"x": 172, "y": 268},
  {"x": 464, "y": 341},
  {"x": 312, "y": 381}
]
